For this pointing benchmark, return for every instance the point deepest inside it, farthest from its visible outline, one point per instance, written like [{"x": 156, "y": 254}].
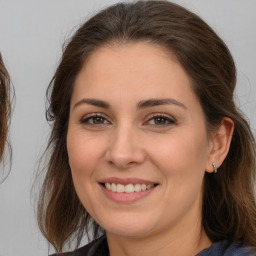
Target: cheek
[
  {"x": 182, "y": 160},
  {"x": 84, "y": 153},
  {"x": 84, "y": 156},
  {"x": 179, "y": 152}
]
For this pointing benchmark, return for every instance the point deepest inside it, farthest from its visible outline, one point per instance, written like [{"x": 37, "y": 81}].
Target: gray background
[{"x": 31, "y": 36}]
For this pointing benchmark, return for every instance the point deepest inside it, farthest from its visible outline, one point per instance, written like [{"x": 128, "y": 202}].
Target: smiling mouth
[{"x": 129, "y": 188}]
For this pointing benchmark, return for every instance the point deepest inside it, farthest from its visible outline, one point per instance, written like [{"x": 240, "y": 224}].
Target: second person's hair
[{"x": 5, "y": 106}]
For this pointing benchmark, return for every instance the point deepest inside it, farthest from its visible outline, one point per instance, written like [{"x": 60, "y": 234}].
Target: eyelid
[
  {"x": 91, "y": 115},
  {"x": 170, "y": 118}
]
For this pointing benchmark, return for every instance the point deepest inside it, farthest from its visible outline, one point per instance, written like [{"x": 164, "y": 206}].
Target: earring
[{"x": 214, "y": 167}]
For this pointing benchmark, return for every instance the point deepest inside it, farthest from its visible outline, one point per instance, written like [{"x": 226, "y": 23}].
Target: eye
[
  {"x": 160, "y": 120},
  {"x": 94, "y": 119}
]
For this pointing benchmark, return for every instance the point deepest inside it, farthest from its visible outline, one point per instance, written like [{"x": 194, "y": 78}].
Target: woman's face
[{"x": 137, "y": 127}]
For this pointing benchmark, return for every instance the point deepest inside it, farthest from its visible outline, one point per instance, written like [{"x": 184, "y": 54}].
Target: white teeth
[
  {"x": 108, "y": 186},
  {"x": 137, "y": 188},
  {"x": 130, "y": 188},
  {"x": 113, "y": 187},
  {"x": 119, "y": 188}
]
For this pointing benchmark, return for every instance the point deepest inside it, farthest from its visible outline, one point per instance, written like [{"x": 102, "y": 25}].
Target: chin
[
  {"x": 132, "y": 226},
  {"x": 128, "y": 232}
]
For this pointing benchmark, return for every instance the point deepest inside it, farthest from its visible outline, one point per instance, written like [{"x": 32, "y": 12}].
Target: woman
[
  {"x": 5, "y": 105},
  {"x": 143, "y": 151}
]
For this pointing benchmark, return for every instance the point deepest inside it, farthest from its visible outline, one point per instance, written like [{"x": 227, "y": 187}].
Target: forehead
[{"x": 136, "y": 69}]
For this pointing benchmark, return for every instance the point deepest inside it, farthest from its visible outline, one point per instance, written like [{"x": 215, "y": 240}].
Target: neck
[{"x": 190, "y": 241}]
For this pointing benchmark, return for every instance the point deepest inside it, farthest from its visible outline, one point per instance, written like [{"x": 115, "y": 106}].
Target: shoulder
[
  {"x": 98, "y": 247},
  {"x": 224, "y": 248}
]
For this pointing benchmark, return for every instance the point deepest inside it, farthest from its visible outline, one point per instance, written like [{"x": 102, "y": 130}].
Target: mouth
[{"x": 128, "y": 188}]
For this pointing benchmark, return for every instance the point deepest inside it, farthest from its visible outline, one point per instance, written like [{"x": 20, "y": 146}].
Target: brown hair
[
  {"x": 5, "y": 106},
  {"x": 229, "y": 210}
]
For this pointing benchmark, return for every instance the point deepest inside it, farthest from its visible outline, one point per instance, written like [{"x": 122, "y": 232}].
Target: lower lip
[{"x": 126, "y": 197}]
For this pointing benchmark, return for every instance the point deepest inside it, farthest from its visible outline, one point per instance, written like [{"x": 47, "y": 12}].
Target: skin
[{"x": 128, "y": 141}]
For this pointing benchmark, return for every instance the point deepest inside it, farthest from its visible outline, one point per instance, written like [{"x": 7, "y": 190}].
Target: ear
[{"x": 219, "y": 144}]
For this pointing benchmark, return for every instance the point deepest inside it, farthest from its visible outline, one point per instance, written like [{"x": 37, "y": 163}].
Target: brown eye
[
  {"x": 97, "y": 120},
  {"x": 94, "y": 120},
  {"x": 161, "y": 120}
]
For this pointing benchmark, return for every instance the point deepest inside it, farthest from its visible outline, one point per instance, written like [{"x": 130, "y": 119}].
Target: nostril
[{"x": 124, "y": 157}]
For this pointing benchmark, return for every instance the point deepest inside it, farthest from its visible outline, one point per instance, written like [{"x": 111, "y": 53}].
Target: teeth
[
  {"x": 113, "y": 187},
  {"x": 108, "y": 186},
  {"x": 137, "y": 188},
  {"x": 119, "y": 188},
  {"x": 130, "y": 188}
]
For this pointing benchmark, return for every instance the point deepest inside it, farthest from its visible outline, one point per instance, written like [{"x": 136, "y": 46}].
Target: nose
[{"x": 125, "y": 149}]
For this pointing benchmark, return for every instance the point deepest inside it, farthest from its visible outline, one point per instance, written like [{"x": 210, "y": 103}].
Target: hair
[
  {"x": 228, "y": 210},
  {"x": 5, "y": 106}
]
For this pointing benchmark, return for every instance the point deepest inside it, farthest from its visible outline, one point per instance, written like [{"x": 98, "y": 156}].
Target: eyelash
[
  {"x": 166, "y": 118},
  {"x": 85, "y": 120},
  {"x": 161, "y": 117}
]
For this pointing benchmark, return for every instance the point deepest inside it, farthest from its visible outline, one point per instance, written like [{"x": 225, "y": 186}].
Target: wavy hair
[
  {"x": 228, "y": 210},
  {"x": 5, "y": 107}
]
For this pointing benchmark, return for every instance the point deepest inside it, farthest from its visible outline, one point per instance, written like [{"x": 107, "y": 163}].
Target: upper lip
[{"x": 126, "y": 181}]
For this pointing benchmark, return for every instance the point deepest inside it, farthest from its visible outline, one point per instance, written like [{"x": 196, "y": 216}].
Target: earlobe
[{"x": 220, "y": 144}]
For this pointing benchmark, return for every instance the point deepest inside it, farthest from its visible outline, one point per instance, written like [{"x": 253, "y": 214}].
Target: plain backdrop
[{"x": 31, "y": 36}]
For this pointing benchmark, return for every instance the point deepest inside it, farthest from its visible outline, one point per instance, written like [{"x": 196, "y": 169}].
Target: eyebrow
[
  {"x": 140, "y": 105},
  {"x": 158, "y": 102},
  {"x": 94, "y": 102}
]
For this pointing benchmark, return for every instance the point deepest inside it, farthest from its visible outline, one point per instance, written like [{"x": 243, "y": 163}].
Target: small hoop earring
[{"x": 214, "y": 167}]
